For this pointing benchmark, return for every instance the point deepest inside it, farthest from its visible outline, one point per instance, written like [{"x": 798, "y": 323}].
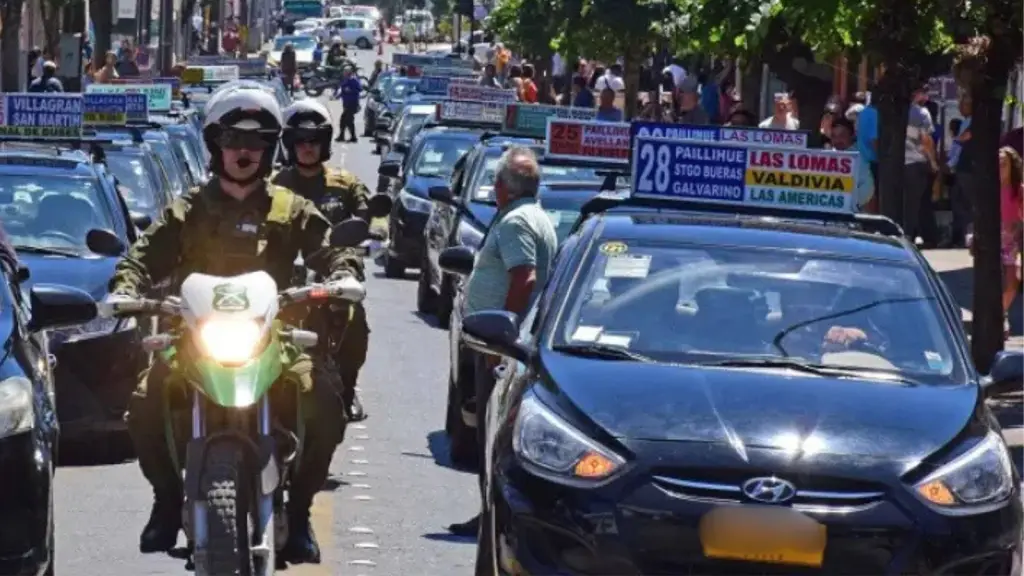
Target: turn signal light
[
  {"x": 937, "y": 493},
  {"x": 593, "y": 465}
]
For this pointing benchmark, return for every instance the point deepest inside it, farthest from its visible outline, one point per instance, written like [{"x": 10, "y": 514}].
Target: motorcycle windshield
[{"x": 239, "y": 386}]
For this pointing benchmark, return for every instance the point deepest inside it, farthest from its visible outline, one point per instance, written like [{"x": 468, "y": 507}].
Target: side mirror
[
  {"x": 389, "y": 169},
  {"x": 1006, "y": 374},
  {"x": 441, "y": 194},
  {"x": 349, "y": 233},
  {"x": 457, "y": 260},
  {"x": 23, "y": 273},
  {"x": 141, "y": 221},
  {"x": 402, "y": 147},
  {"x": 55, "y": 306},
  {"x": 379, "y": 205},
  {"x": 495, "y": 332},
  {"x": 104, "y": 242}
]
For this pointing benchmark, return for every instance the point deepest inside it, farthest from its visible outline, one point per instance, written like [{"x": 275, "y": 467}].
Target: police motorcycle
[{"x": 228, "y": 345}]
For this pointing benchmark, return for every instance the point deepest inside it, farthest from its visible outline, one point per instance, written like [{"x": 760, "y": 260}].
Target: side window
[
  {"x": 529, "y": 322},
  {"x": 562, "y": 259}
]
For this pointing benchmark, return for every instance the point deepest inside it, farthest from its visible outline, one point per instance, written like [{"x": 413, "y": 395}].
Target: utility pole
[{"x": 166, "y": 36}]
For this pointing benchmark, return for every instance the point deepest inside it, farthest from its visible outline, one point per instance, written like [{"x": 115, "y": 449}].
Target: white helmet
[
  {"x": 242, "y": 108},
  {"x": 307, "y": 121}
]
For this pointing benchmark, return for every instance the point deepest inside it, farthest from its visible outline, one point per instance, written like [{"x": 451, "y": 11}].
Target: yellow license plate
[
  {"x": 192, "y": 76},
  {"x": 763, "y": 534}
]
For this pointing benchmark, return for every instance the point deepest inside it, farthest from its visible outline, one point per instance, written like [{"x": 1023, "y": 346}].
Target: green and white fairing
[{"x": 238, "y": 351}]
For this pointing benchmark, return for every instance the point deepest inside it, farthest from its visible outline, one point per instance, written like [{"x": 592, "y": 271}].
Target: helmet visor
[{"x": 235, "y": 139}]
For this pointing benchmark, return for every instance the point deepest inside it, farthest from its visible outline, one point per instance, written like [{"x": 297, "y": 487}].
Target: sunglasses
[
  {"x": 244, "y": 140},
  {"x": 305, "y": 136}
]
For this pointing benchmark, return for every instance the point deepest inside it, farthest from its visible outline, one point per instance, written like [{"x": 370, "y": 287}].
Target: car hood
[
  {"x": 765, "y": 409},
  {"x": 90, "y": 274}
]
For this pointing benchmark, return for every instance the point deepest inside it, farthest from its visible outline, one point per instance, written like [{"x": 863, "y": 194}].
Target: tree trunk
[
  {"x": 811, "y": 82},
  {"x": 10, "y": 47},
  {"x": 51, "y": 11},
  {"x": 750, "y": 92},
  {"x": 892, "y": 99},
  {"x": 101, "y": 14},
  {"x": 632, "y": 59}
]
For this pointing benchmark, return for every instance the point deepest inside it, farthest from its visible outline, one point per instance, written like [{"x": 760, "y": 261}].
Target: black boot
[
  {"x": 161, "y": 532},
  {"x": 301, "y": 547},
  {"x": 353, "y": 407}
]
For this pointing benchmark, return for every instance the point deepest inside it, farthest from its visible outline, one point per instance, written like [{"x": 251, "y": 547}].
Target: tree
[
  {"x": 51, "y": 11},
  {"x": 10, "y": 19},
  {"x": 101, "y": 14},
  {"x": 983, "y": 68}
]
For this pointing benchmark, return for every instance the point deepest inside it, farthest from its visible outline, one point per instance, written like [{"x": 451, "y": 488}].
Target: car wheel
[
  {"x": 444, "y": 302},
  {"x": 363, "y": 44},
  {"x": 426, "y": 301},
  {"x": 393, "y": 267},
  {"x": 462, "y": 444}
]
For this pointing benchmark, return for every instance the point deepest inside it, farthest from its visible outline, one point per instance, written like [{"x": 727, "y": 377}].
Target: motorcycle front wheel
[{"x": 224, "y": 483}]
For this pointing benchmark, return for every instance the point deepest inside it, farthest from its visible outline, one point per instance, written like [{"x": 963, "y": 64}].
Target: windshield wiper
[
  {"x": 49, "y": 251},
  {"x": 815, "y": 369},
  {"x": 602, "y": 351}
]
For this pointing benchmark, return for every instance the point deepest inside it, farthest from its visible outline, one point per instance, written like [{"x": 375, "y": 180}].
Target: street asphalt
[{"x": 390, "y": 494}]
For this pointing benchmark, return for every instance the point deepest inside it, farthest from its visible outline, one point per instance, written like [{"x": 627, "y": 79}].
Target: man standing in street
[
  {"x": 919, "y": 170},
  {"x": 350, "y": 89},
  {"x": 47, "y": 82},
  {"x": 512, "y": 267}
]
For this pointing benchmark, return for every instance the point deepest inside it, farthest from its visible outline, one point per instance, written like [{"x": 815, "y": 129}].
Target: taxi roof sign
[
  {"x": 448, "y": 71},
  {"x": 439, "y": 84},
  {"x": 41, "y": 116},
  {"x": 158, "y": 95},
  {"x": 587, "y": 140},
  {"x": 424, "y": 61},
  {"x": 736, "y": 135},
  {"x": 470, "y": 112},
  {"x": 480, "y": 93},
  {"x": 105, "y": 109},
  {"x": 531, "y": 120},
  {"x": 786, "y": 179},
  {"x": 204, "y": 74}
]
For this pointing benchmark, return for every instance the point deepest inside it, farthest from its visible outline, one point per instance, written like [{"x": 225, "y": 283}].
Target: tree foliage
[{"x": 10, "y": 19}]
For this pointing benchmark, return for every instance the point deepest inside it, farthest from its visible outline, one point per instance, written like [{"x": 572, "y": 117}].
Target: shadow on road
[
  {"x": 437, "y": 442},
  {"x": 110, "y": 449},
  {"x": 428, "y": 319},
  {"x": 446, "y": 537},
  {"x": 332, "y": 484}
]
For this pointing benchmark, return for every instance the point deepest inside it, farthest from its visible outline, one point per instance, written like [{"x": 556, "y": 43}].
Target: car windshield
[
  {"x": 52, "y": 212},
  {"x": 712, "y": 304},
  {"x": 170, "y": 164},
  {"x": 163, "y": 174},
  {"x": 399, "y": 89},
  {"x": 437, "y": 156},
  {"x": 409, "y": 126},
  {"x": 483, "y": 186},
  {"x": 138, "y": 185},
  {"x": 563, "y": 207},
  {"x": 187, "y": 146},
  {"x": 298, "y": 42},
  {"x": 183, "y": 153}
]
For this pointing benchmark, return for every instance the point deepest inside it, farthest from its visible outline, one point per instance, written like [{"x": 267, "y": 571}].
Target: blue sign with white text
[
  {"x": 105, "y": 109},
  {"x": 137, "y": 107},
  {"x": 737, "y": 135},
  {"x": 433, "y": 85},
  {"x": 42, "y": 115}
]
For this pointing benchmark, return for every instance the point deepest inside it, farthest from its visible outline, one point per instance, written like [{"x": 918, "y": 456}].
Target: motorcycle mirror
[
  {"x": 379, "y": 205},
  {"x": 350, "y": 233}
]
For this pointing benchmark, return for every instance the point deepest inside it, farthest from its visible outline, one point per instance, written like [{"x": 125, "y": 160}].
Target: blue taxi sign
[
  {"x": 137, "y": 107},
  {"x": 453, "y": 112},
  {"x": 480, "y": 93},
  {"x": 159, "y": 95},
  {"x": 737, "y": 135},
  {"x": 424, "y": 61},
  {"x": 439, "y": 84},
  {"x": 758, "y": 176},
  {"x": 41, "y": 115},
  {"x": 105, "y": 109}
]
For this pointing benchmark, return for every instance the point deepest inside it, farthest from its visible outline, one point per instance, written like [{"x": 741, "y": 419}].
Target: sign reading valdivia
[
  {"x": 158, "y": 95},
  {"x": 717, "y": 172},
  {"x": 747, "y": 136},
  {"x": 532, "y": 119},
  {"x": 41, "y": 115}
]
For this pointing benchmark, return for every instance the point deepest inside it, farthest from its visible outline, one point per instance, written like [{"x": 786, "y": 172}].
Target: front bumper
[
  {"x": 24, "y": 504},
  {"x": 408, "y": 244},
  {"x": 639, "y": 527},
  {"x": 94, "y": 378}
]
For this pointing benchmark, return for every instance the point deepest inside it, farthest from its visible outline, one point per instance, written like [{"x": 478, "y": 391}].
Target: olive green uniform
[
  {"x": 339, "y": 195},
  {"x": 209, "y": 232}
]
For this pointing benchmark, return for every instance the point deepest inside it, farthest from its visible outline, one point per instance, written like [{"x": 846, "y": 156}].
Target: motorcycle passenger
[
  {"x": 339, "y": 195},
  {"x": 235, "y": 224},
  {"x": 336, "y": 55}
]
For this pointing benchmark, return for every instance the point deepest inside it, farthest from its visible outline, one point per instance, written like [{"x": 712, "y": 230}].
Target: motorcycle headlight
[
  {"x": 17, "y": 414},
  {"x": 230, "y": 341},
  {"x": 975, "y": 482},
  {"x": 414, "y": 203},
  {"x": 551, "y": 448},
  {"x": 470, "y": 236}
]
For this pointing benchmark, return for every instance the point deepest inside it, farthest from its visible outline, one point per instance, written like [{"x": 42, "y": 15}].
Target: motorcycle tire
[
  {"x": 224, "y": 483},
  {"x": 314, "y": 91}
]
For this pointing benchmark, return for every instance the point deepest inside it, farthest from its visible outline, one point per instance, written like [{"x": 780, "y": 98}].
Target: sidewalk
[{"x": 955, "y": 267}]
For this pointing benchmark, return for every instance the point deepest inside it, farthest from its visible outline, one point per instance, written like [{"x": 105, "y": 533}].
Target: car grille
[{"x": 820, "y": 497}]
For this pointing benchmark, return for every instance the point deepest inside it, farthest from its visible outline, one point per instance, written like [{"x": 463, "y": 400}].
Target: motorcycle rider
[
  {"x": 336, "y": 56},
  {"x": 339, "y": 195},
  {"x": 237, "y": 223}
]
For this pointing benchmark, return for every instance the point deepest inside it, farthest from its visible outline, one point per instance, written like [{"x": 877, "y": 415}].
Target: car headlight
[
  {"x": 230, "y": 341},
  {"x": 551, "y": 448},
  {"x": 95, "y": 328},
  {"x": 469, "y": 236},
  {"x": 976, "y": 481},
  {"x": 17, "y": 413},
  {"x": 414, "y": 203}
]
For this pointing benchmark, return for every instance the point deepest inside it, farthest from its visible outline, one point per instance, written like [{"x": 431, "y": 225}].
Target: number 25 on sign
[{"x": 566, "y": 133}]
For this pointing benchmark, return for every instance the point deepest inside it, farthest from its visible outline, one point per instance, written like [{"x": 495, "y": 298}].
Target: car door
[{"x": 439, "y": 227}]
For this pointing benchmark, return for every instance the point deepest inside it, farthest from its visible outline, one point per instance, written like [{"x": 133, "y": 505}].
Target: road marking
[
  {"x": 362, "y": 563},
  {"x": 360, "y": 486},
  {"x": 359, "y": 461},
  {"x": 355, "y": 473},
  {"x": 362, "y": 498},
  {"x": 360, "y": 530},
  {"x": 362, "y": 436},
  {"x": 359, "y": 426},
  {"x": 367, "y": 545},
  {"x": 357, "y": 448}
]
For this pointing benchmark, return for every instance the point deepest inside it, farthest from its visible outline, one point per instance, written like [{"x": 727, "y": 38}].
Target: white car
[
  {"x": 308, "y": 27},
  {"x": 354, "y": 31},
  {"x": 303, "y": 45}
]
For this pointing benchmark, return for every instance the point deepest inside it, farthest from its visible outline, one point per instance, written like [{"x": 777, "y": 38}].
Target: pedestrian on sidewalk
[
  {"x": 961, "y": 165},
  {"x": 350, "y": 89},
  {"x": 512, "y": 267},
  {"x": 1011, "y": 214},
  {"x": 920, "y": 169}
]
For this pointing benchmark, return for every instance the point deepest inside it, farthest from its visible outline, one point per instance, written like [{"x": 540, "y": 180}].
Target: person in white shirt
[
  {"x": 783, "y": 118},
  {"x": 612, "y": 79},
  {"x": 678, "y": 73}
]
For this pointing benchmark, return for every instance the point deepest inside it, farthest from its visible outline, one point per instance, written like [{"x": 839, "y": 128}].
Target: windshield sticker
[
  {"x": 586, "y": 333},
  {"x": 555, "y": 216},
  {"x": 618, "y": 340},
  {"x": 934, "y": 360},
  {"x": 230, "y": 298},
  {"x": 628, "y": 266},
  {"x": 613, "y": 248}
]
